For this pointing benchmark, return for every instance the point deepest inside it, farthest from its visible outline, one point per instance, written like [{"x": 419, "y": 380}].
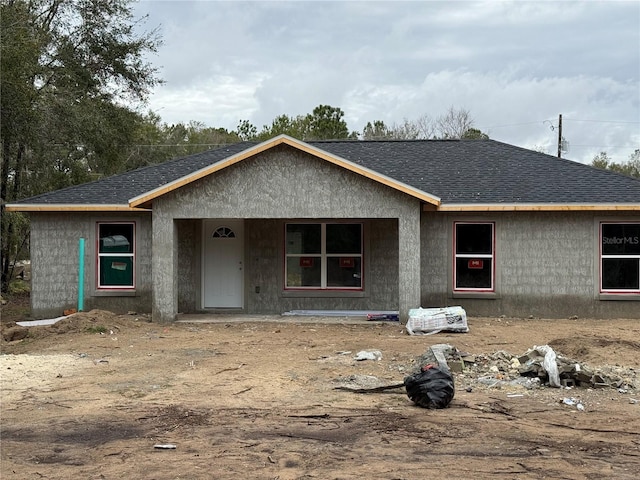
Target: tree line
[
  {"x": 631, "y": 167},
  {"x": 75, "y": 79}
]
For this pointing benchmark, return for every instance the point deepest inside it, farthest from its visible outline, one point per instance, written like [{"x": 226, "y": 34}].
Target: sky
[{"x": 515, "y": 66}]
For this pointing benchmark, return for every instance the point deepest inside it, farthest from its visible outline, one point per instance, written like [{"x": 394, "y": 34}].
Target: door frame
[{"x": 208, "y": 223}]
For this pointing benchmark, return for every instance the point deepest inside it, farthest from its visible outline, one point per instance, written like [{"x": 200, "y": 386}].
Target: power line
[
  {"x": 564, "y": 118},
  {"x": 62, "y": 145},
  {"x": 602, "y": 121},
  {"x": 603, "y": 146},
  {"x": 515, "y": 124},
  {"x": 176, "y": 145}
]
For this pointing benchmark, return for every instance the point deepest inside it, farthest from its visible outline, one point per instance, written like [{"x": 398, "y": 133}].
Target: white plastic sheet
[{"x": 427, "y": 321}]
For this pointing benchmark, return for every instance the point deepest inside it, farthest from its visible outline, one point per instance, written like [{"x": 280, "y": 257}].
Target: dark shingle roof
[
  {"x": 118, "y": 189},
  {"x": 487, "y": 171},
  {"x": 457, "y": 171}
]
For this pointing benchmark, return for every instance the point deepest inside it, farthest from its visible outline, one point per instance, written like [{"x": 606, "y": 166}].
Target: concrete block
[{"x": 456, "y": 366}]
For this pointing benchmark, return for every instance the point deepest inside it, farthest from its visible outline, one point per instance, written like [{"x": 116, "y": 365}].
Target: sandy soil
[{"x": 254, "y": 397}]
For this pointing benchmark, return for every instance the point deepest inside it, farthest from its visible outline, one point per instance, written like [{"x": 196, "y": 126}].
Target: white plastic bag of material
[
  {"x": 427, "y": 321},
  {"x": 549, "y": 364}
]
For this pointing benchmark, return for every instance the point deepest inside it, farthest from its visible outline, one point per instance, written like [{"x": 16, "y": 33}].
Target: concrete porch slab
[{"x": 245, "y": 318}]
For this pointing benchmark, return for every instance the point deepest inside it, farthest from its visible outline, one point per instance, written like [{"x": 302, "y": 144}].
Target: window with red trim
[
  {"x": 473, "y": 269},
  {"x": 323, "y": 256}
]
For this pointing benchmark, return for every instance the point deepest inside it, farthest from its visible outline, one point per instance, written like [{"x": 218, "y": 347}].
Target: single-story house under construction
[{"x": 266, "y": 228}]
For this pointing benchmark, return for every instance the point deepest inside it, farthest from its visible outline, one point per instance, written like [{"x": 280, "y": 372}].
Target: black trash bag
[{"x": 432, "y": 387}]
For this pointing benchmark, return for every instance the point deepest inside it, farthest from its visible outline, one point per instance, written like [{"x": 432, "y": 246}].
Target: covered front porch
[{"x": 257, "y": 266}]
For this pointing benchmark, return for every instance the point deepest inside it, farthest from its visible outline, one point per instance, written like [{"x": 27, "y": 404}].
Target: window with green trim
[
  {"x": 116, "y": 255},
  {"x": 620, "y": 257}
]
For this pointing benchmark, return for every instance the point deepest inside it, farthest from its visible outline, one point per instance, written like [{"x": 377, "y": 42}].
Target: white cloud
[
  {"x": 512, "y": 64},
  {"x": 219, "y": 100}
]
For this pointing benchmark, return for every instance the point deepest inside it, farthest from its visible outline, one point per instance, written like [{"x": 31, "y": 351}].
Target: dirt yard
[{"x": 94, "y": 396}]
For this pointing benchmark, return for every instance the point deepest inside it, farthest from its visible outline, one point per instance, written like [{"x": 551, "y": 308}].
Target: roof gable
[{"x": 297, "y": 144}]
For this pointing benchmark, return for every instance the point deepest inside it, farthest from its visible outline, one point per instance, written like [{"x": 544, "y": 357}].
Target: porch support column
[
  {"x": 165, "y": 269},
  {"x": 409, "y": 259}
]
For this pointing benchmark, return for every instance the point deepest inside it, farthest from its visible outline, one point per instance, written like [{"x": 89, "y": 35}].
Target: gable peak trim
[{"x": 145, "y": 198}]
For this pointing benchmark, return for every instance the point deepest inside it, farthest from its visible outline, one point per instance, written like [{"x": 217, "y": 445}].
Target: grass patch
[
  {"x": 97, "y": 329},
  {"x": 19, "y": 287}
]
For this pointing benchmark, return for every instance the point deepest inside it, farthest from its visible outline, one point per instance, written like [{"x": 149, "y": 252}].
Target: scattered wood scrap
[{"x": 378, "y": 389}]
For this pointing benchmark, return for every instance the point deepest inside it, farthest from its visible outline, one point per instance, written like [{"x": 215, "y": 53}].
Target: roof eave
[
  {"x": 147, "y": 197},
  {"x": 59, "y": 207},
  {"x": 539, "y": 207}
]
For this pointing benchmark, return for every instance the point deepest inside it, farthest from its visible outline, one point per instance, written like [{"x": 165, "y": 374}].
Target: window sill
[
  {"x": 323, "y": 294},
  {"x": 633, "y": 297},
  {"x": 479, "y": 295},
  {"x": 114, "y": 293}
]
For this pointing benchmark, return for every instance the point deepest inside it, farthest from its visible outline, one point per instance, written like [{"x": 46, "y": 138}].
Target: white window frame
[
  {"x": 484, "y": 256},
  {"x": 603, "y": 256},
  {"x": 100, "y": 255},
  {"x": 323, "y": 256}
]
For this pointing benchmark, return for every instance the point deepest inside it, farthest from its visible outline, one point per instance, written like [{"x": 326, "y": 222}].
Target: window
[
  {"x": 323, "y": 256},
  {"x": 116, "y": 255},
  {"x": 224, "y": 232},
  {"x": 474, "y": 257},
  {"x": 620, "y": 257}
]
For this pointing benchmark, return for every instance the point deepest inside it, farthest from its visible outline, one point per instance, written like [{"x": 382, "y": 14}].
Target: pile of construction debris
[{"x": 538, "y": 366}]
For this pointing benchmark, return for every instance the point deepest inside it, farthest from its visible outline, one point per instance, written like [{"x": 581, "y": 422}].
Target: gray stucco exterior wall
[
  {"x": 547, "y": 265},
  {"x": 265, "y": 293},
  {"x": 165, "y": 267},
  {"x": 281, "y": 184},
  {"x": 264, "y": 253},
  {"x": 409, "y": 259},
  {"x": 189, "y": 255},
  {"x": 55, "y": 263}
]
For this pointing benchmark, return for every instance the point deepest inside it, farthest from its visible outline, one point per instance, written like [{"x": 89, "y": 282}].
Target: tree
[
  {"x": 326, "y": 123},
  {"x": 70, "y": 71},
  {"x": 246, "y": 130},
  {"x": 474, "y": 134},
  {"x": 422, "y": 128},
  {"x": 296, "y": 127},
  {"x": 376, "y": 131},
  {"x": 601, "y": 160},
  {"x": 407, "y": 130},
  {"x": 633, "y": 165},
  {"x": 454, "y": 123},
  {"x": 425, "y": 126},
  {"x": 155, "y": 142},
  {"x": 630, "y": 168}
]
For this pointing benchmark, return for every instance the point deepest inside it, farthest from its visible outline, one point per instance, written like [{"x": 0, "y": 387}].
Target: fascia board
[
  {"x": 541, "y": 207},
  {"x": 61, "y": 207}
]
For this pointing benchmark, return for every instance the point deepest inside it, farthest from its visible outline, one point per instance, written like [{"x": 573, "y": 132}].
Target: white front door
[{"x": 223, "y": 272}]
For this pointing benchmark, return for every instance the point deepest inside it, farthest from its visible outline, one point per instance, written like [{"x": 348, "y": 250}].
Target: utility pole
[{"x": 559, "y": 135}]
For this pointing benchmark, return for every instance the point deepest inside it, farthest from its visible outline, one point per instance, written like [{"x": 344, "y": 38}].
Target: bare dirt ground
[{"x": 254, "y": 397}]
